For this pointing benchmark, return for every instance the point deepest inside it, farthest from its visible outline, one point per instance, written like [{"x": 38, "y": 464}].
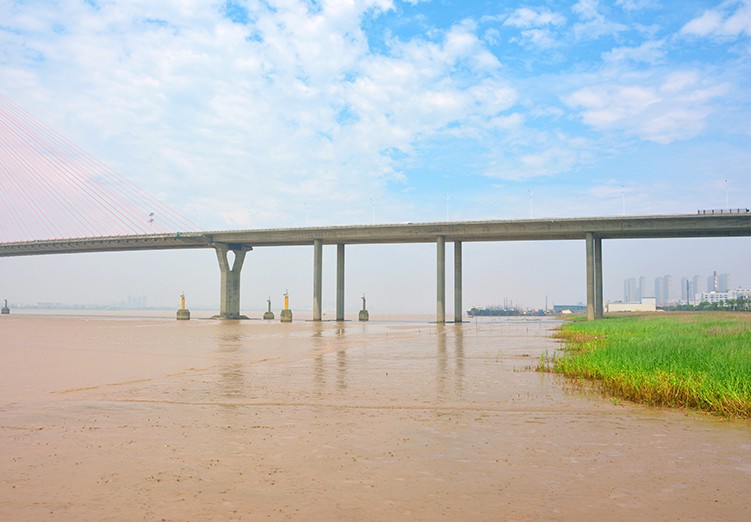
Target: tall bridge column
[
  {"x": 458, "y": 312},
  {"x": 317, "y": 278},
  {"x": 340, "y": 282},
  {"x": 229, "y": 302},
  {"x": 598, "y": 278},
  {"x": 594, "y": 277},
  {"x": 441, "y": 280}
]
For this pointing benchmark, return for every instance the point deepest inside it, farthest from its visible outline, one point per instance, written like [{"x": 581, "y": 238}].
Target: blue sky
[{"x": 250, "y": 114}]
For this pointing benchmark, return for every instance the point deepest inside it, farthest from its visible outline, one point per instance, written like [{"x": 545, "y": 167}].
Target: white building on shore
[
  {"x": 719, "y": 297},
  {"x": 647, "y": 304}
]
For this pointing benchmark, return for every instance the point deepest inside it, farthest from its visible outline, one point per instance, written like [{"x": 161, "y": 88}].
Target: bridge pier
[
  {"x": 340, "y": 282},
  {"x": 441, "y": 280},
  {"x": 599, "y": 308},
  {"x": 594, "y": 277},
  {"x": 317, "y": 278},
  {"x": 458, "y": 312},
  {"x": 229, "y": 301}
]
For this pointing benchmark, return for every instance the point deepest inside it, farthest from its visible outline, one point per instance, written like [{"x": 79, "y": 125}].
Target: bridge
[
  {"x": 58, "y": 199},
  {"x": 590, "y": 230}
]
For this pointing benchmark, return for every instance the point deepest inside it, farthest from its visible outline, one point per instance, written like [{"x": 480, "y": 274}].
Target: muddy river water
[{"x": 154, "y": 419}]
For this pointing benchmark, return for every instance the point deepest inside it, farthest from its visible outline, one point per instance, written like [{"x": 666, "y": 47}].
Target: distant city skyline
[{"x": 691, "y": 289}]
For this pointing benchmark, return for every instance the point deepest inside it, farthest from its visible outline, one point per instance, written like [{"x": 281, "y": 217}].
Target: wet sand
[{"x": 154, "y": 419}]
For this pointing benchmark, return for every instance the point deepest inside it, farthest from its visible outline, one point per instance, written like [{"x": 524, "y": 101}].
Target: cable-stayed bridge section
[{"x": 52, "y": 189}]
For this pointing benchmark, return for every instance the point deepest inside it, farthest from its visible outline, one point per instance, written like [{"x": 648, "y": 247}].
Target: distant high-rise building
[
  {"x": 698, "y": 287},
  {"x": 663, "y": 290},
  {"x": 658, "y": 291},
  {"x": 685, "y": 290},
  {"x": 723, "y": 283},
  {"x": 629, "y": 290},
  {"x": 135, "y": 302},
  {"x": 642, "y": 292}
]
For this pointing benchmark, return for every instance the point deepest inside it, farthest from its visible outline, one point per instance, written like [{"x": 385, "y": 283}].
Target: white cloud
[
  {"x": 663, "y": 109},
  {"x": 707, "y": 23},
  {"x": 679, "y": 81},
  {"x": 587, "y": 9},
  {"x": 651, "y": 52},
  {"x": 594, "y": 24},
  {"x": 526, "y": 17},
  {"x": 536, "y": 154},
  {"x": 637, "y": 5},
  {"x": 730, "y": 20},
  {"x": 541, "y": 38},
  {"x": 538, "y": 26}
]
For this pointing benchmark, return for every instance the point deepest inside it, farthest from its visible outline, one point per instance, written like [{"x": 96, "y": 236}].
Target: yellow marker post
[
  {"x": 286, "y": 315},
  {"x": 182, "y": 313}
]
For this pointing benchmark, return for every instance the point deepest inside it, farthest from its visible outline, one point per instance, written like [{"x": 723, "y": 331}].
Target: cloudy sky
[{"x": 280, "y": 113}]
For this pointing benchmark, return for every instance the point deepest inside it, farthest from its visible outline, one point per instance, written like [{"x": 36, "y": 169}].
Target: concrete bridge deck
[
  {"x": 632, "y": 227},
  {"x": 592, "y": 230}
]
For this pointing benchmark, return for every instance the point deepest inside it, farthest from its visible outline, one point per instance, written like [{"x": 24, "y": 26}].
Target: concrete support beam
[
  {"x": 229, "y": 301},
  {"x": 598, "y": 278},
  {"x": 317, "y": 278},
  {"x": 441, "y": 280},
  {"x": 594, "y": 277},
  {"x": 340, "y": 282},
  {"x": 458, "y": 312},
  {"x": 590, "y": 240}
]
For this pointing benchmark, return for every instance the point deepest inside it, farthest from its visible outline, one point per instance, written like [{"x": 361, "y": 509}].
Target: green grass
[{"x": 695, "y": 361}]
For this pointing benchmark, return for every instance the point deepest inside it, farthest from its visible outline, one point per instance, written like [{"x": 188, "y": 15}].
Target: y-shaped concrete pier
[{"x": 229, "y": 302}]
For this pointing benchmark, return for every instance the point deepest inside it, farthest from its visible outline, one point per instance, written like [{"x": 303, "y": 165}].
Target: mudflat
[{"x": 154, "y": 419}]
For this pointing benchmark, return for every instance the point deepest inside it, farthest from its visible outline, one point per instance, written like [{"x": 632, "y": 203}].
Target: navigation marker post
[
  {"x": 183, "y": 314},
  {"x": 286, "y": 315},
  {"x": 363, "y": 315},
  {"x": 268, "y": 314}
]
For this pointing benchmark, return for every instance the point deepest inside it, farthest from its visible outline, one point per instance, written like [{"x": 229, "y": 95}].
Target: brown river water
[{"x": 106, "y": 418}]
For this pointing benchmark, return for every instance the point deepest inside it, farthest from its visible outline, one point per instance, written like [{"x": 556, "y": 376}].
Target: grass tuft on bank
[{"x": 699, "y": 362}]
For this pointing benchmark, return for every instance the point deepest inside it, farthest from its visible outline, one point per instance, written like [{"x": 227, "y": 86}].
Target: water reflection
[
  {"x": 231, "y": 374},
  {"x": 319, "y": 375},
  {"x": 443, "y": 361},
  {"x": 318, "y": 327},
  {"x": 319, "y": 365},
  {"x": 327, "y": 339},
  {"x": 341, "y": 357},
  {"x": 341, "y": 369},
  {"x": 459, "y": 358}
]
